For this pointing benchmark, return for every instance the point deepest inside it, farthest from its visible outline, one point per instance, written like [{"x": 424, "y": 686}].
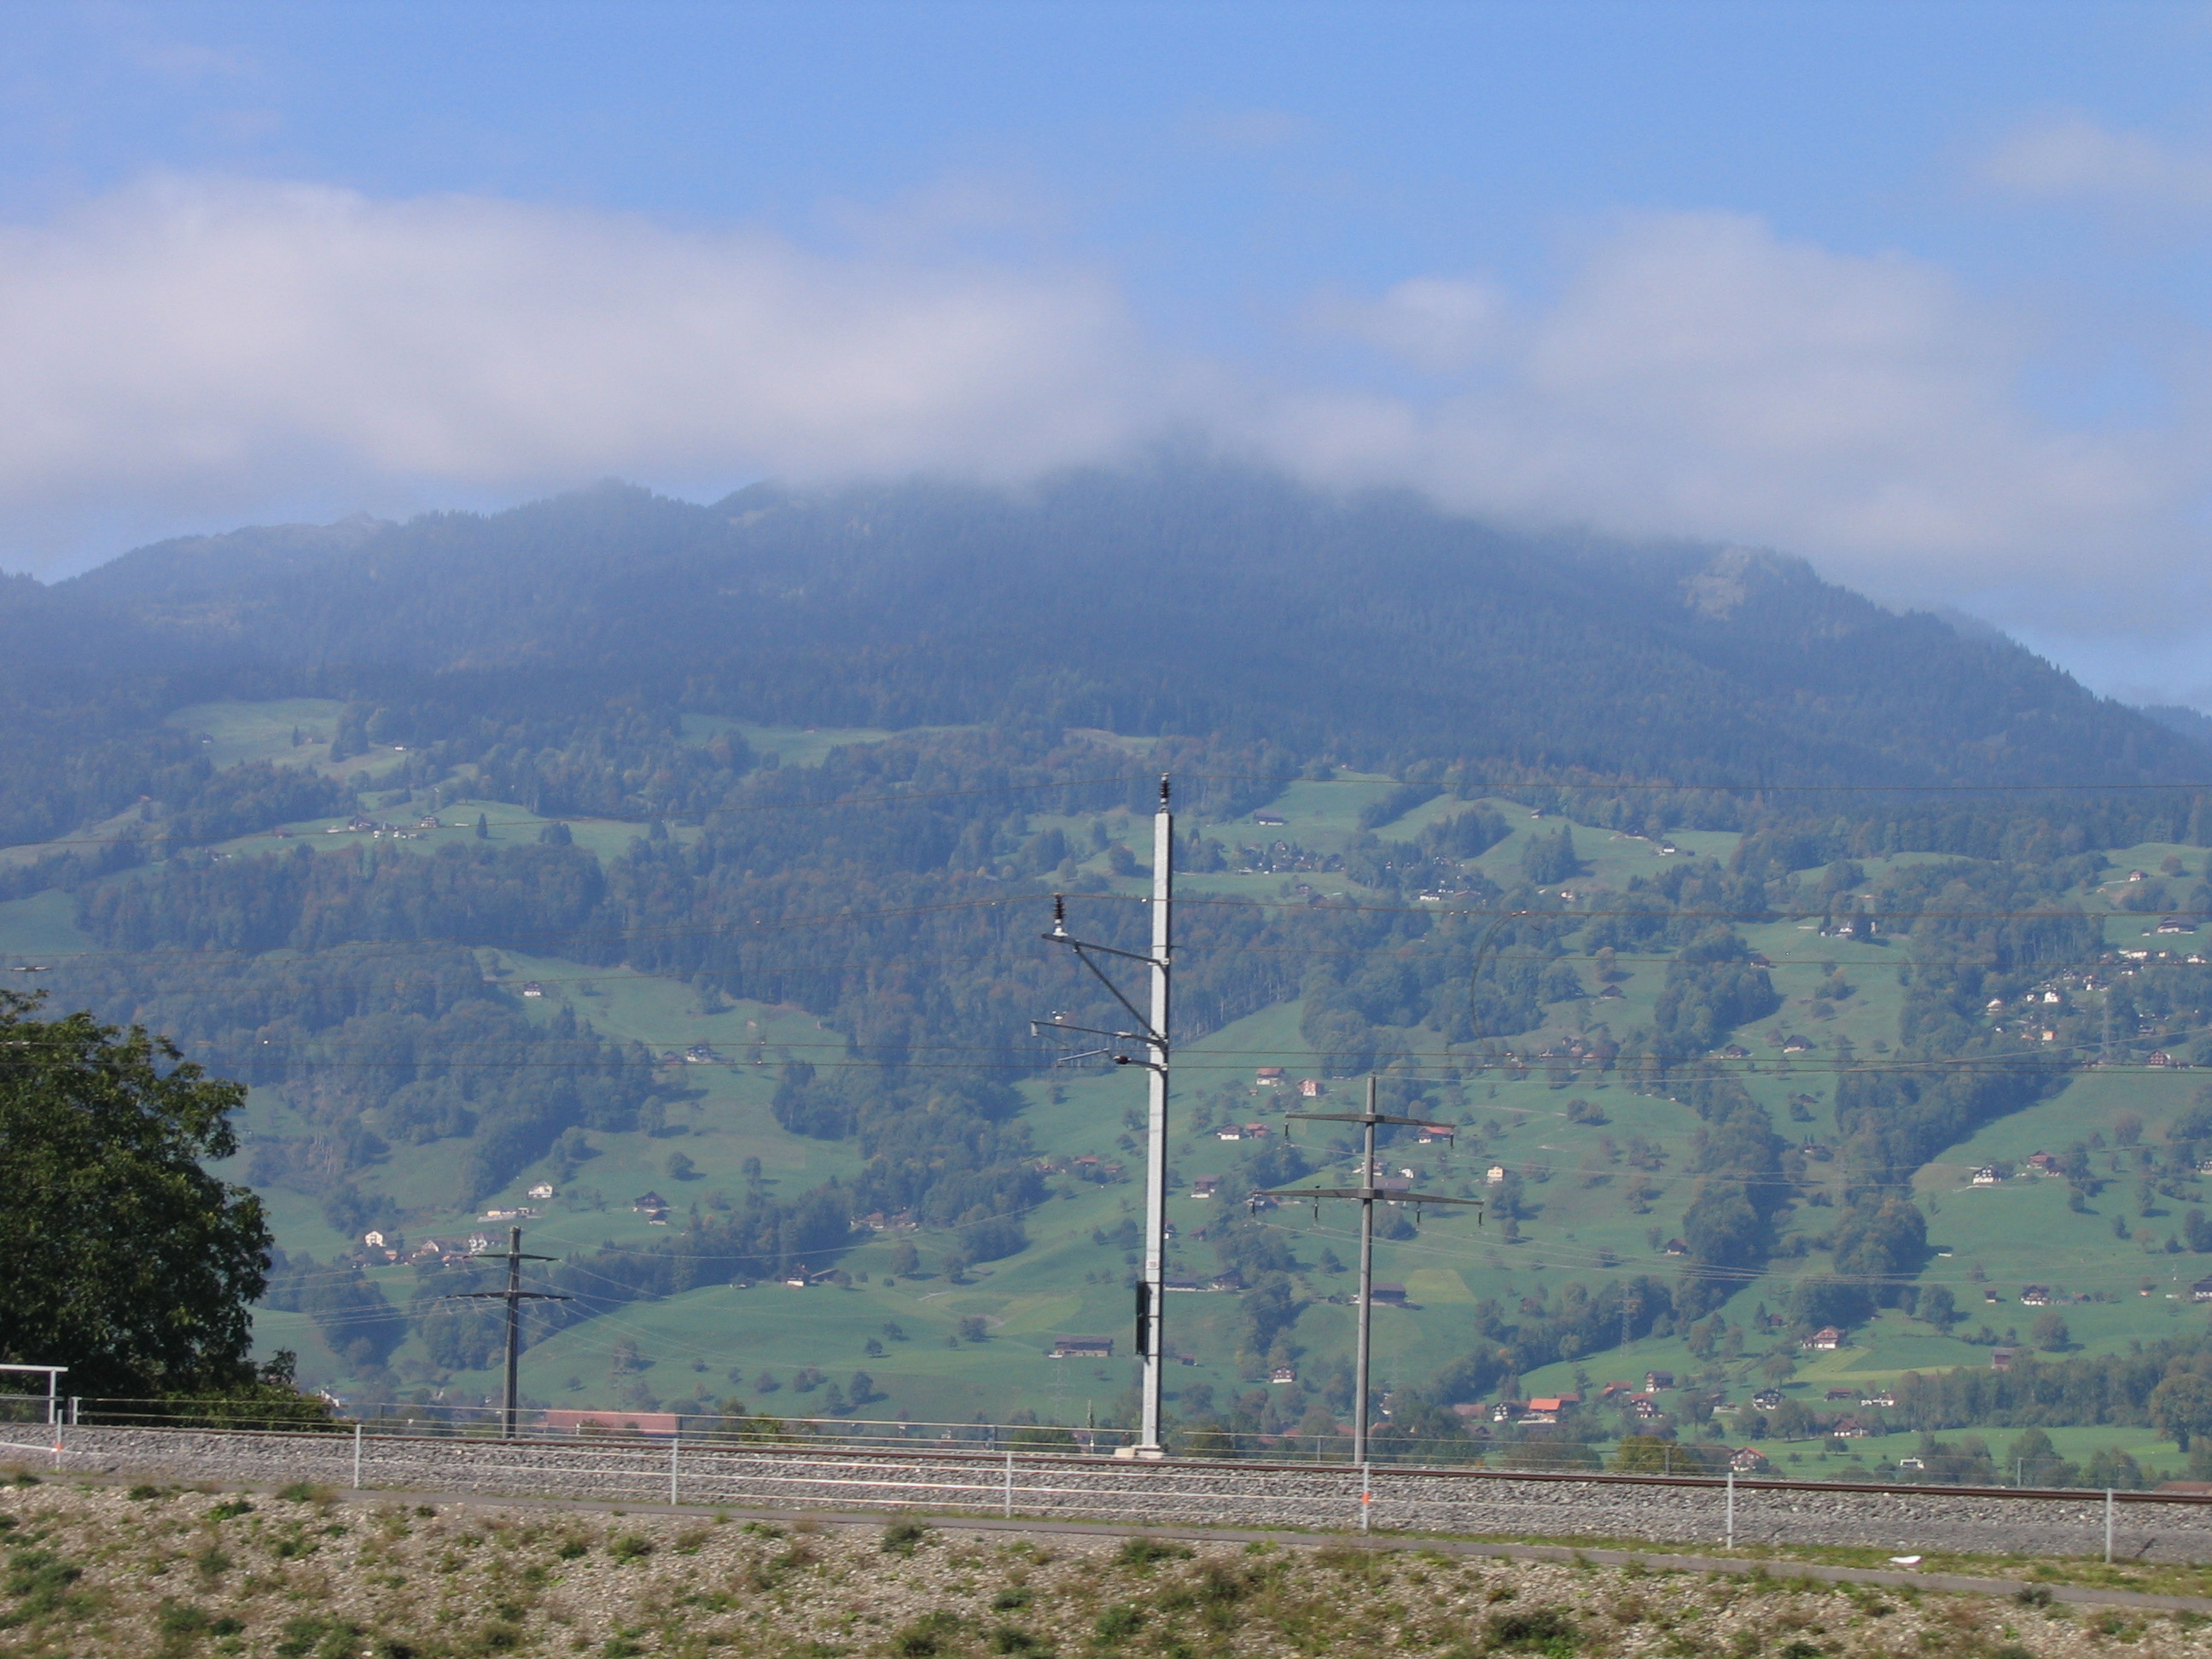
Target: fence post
[
  {"x": 356, "y": 1456},
  {"x": 1731, "y": 1507},
  {"x": 1010, "y": 1483},
  {"x": 2108, "y": 1526},
  {"x": 675, "y": 1447},
  {"x": 1367, "y": 1496},
  {"x": 74, "y": 1399}
]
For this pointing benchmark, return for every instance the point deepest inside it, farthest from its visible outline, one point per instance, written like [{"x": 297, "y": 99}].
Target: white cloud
[
  {"x": 1433, "y": 323},
  {"x": 2077, "y": 159},
  {"x": 1700, "y": 376},
  {"x": 224, "y": 343},
  {"x": 195, "y": 355}
]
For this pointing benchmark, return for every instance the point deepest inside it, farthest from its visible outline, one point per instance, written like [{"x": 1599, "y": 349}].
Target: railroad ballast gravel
[{"x": 1165, "y": 1494}]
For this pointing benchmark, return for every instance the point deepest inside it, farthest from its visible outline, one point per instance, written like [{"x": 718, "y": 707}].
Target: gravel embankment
[
  {"x": 174, "y": 1573},
  {"x": 1180, "y": 1493}
]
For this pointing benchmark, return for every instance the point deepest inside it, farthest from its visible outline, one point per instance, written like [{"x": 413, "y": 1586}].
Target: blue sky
[{"x": 1916, "y": 290}]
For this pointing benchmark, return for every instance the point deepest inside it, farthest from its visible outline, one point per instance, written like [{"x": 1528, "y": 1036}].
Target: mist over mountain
[{"x": 1369, "y": 629}]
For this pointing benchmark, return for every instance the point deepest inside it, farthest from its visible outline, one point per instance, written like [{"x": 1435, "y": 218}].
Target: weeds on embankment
[{"x": 176, "y": 1573}]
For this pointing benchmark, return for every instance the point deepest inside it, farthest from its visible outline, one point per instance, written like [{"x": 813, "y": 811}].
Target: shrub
[
  {"x": 1545, "y": 1630},
  {"x": 631, "y": 1547},
  {"x": 1118, "y": 1624},
  {"x": 1143, "y": 1552},
  {"x": 926, "y": 1635},
  {"x": 901, "y": 1537}
]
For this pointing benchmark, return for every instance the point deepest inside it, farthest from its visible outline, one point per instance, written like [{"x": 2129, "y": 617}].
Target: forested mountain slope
[
  {"x": 1373, "y": 631},
  {"x": 690, "y": 862}
]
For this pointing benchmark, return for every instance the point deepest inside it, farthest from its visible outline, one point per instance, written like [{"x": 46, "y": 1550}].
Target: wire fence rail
[
  {"x": 1010, "y": 1484},
  {"x": 1388, "y": 1447}
]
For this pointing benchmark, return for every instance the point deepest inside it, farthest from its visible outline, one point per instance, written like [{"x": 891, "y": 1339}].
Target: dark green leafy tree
[
  {"x": 2181, "y": 1407},
  {"x": 127, "y": 1261}
]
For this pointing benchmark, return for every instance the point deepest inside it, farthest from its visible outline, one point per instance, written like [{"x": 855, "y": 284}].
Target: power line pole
[
  {"x": 1151, "y": 1030},
  {"x": 514, "y": 1296},
  {"x": 1367, "y": 1193}
]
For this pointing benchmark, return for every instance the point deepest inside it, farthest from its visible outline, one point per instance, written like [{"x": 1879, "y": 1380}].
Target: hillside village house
[
  {"x": 1387, "y": 1295},
  {"x": 1984, "y": 1176},
  {"x": 1495, "y": 1174},
  {"x": 1826, "y": 1337},
  {"x": 2201, "y": 1290},
  {"x": 1268, "y": 1077},
  {"x": 1310, "y": 1088},
  {"x": 1083, "y": 1347}
]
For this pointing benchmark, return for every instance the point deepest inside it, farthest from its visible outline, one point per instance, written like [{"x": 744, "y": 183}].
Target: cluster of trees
[
  {"x": 944, "y": 1146},
  {"x": 311, "y": 900},
  {"x": 377, "y": 1047},
  {"x": 894, "y": 890}
]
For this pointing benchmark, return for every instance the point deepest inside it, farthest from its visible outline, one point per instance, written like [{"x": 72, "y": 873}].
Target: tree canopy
[{"x": 127, "y": 1261}]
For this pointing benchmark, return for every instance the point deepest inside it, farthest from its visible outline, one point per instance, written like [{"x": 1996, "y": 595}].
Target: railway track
[{"x": 1700, "y": 1510}]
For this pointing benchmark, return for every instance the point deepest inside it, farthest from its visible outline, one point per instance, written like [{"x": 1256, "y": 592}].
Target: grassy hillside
[
  {"x": 1603, "y": 1166},
  {"x": 711, "y": 863}
]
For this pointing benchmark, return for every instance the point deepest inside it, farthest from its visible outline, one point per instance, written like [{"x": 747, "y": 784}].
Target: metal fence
[
  {"x": 1389, "y": 1448},
  {"x": 1013, "y": 1485}
]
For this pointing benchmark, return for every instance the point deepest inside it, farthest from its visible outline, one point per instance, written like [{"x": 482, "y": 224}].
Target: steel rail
[{"x": 994, "y": 1458}]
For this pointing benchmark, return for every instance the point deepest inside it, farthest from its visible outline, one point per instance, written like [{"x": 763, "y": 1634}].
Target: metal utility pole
[
  {"x": 1151, "y": 1030},
  {"x": 514, "y": 1296},
  {"x": 1368, "y": 1194}
]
